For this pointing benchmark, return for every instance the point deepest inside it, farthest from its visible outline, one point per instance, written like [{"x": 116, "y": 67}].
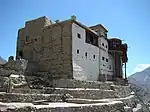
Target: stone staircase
[{"x": 83, "y": 97}]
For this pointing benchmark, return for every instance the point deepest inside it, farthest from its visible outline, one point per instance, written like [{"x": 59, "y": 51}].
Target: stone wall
[
  {"x": 122, "y": 91},
  {"x": 58, "y": 50},
  {"x": 47, "y": 47},
  {"x": 86, "y": 93},
  {"x": 72, "y": 83},
  {"x": 14, "y": 97},
  {"x": 112, "y": 107}
]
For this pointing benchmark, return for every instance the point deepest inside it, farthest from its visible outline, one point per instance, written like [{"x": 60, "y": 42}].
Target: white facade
[
  {"x": 106, "y": 59},
  {"x": 88, "y": 62}
]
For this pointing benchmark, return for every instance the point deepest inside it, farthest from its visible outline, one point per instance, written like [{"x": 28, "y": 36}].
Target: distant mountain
[
  {"x": 142, "y": 78},
  {"x": 140, "y": 83},
  {"x": 2, "y": 61}
]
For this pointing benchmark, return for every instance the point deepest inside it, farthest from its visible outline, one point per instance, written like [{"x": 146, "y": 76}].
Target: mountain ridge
[
  {"x": 140, "y": 83},
  {"x": 141, "y": 77},
  {"x": 2, "y": 60}
]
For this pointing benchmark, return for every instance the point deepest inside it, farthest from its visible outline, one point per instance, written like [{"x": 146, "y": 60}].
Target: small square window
[
  {"x": 27, "y": 38},
  {"x": 102, "y": 44},
  {"x": 103, "y": 58},
  {"x": 106, "y": 60},
  {"x": 79, "y": 35},
  {"x": 86, "y": 54},
  {"x": 109, "y": 66},
  {"x": 94, "y": 56},
  {"x": 77, "y": 51}
]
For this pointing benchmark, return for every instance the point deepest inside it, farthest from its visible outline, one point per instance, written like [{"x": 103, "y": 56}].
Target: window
[
  {"x": 35, "y": 39},
  {"x": 27, "y": 39},
  {"x": 21, "y": 54},
  {"x": 102, "y": 44},
  {"x": 109, "y": 66},
  {"x": 105, "y": 34},
  {"x": 94, "y": 56},
  {"x": 86, "y": 54},
  {"x": 79, "y": 35},
  {"x": 106, "y": 60},
  {"x": 77, "y": 51},
  {"x": 106, "y": 46},
  {"x": 103, "y": 58},
  {"x": 91, "y": 38}
]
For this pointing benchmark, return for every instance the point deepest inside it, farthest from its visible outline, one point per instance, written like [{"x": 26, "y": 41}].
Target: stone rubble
[{"x": 42, "y": 93}]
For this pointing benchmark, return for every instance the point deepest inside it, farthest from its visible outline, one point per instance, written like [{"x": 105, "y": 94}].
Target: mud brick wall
[{"x": 48, "y": 48}]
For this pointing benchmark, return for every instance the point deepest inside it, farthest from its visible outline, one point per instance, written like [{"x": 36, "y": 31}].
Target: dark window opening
[
  {"x": 103, "y": 58},
  {"x": 21, "y": 54},
  {"x": 102, "y": 44},
  {"x": 115, "y": 43},
  {"x": 27, "y": 39},
  {"x": 94, "y": 56},
  {"x": 77, "y": 51},
  {"x": 86, "y": 54},
  {"x": 109, "y": 66},
  {"x": 79, "y": 35},
  {"x": 106, "y": 46},
  {"x": 106, "y": 60},
  {"x": 35, "y": 39},
  {"x": 91, "y": 38}
]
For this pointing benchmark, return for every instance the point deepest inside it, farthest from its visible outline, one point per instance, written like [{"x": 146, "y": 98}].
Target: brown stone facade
[{"x": 47, "y": 46}]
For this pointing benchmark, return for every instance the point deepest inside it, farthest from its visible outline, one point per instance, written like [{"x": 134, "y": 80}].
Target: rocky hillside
[
  {"x": 32, "y": 93},
  {"x": 2, "y": 61},
  {"x": 142, "y": 77},
  {"x": 140, "y": 82}
]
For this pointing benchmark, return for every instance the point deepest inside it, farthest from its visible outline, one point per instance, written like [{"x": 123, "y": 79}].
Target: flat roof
[{"x": 74, "y": 21}]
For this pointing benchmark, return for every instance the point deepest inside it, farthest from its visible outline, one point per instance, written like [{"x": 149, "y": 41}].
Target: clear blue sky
[{"x": 127, "y": 19}]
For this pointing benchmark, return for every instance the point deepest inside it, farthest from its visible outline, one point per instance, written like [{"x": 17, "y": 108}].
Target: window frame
[
  {"x": 94, "y": 56},
  {"x": 109, "y": 67},
  {"x": 27, "y": 39},
  {"x": 78, "y": 51},
  {"x": 103, "y": 58},
  {"x": 106, "y": 46},
  {"x": 79, "y": 35},
  {"x": 86, "y": 55},
  {"x": 103, "y": 44},
  {"x": 106, "y": 59}
]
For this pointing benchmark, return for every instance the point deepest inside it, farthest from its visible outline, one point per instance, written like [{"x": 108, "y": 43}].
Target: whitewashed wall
[
  {"x": 84, "y": 68},
  {"x": 105, "y": 67},
  {"x": 111, "y": 63},
  {"x": 88, "y": 68}
]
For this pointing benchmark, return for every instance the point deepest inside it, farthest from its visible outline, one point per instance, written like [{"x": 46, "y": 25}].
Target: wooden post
[{"x": 125, "y": 72}]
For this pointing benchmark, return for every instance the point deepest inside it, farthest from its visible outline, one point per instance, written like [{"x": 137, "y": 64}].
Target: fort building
[{"x": 69, "y": 49}]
